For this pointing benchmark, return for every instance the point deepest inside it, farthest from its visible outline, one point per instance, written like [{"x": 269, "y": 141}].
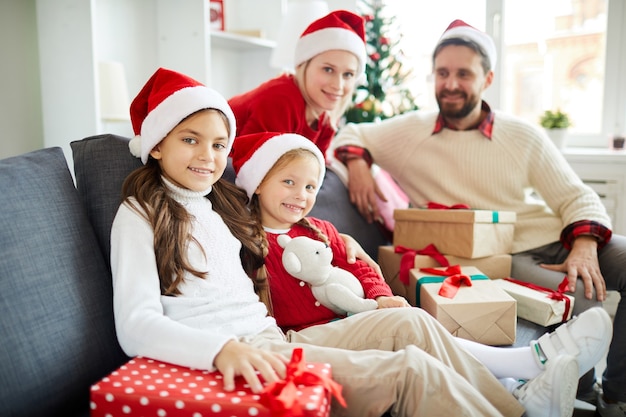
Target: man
[{"x": 467, "y": 153}]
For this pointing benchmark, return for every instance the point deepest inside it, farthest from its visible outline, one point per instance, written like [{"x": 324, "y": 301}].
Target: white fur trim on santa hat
[
  {"x": 176, "y": 107},
  {"x": 254, "y": 170},
  {"x": 330, "y": 39},
  {"x": 472, "y": 34}
]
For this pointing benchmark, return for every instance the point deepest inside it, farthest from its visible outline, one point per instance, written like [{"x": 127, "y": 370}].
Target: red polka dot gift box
[{"x": 150, "y": 388}]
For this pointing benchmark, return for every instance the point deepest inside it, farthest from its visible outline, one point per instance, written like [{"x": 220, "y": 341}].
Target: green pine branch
[{"x": 385, "y": 93}]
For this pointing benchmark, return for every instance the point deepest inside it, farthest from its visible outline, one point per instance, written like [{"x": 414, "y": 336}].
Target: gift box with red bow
[
  {"x": 467, "y": 303},
  {"x": 146, "y": 387},
  {"x": 540, "y": 305},
  {"x": 396, "y": 262},
  {"x": 455, "y": 231}
]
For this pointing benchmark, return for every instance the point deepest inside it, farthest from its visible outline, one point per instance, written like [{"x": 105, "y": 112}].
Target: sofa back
[
  {"x": 56, "y": 328},
  {"x": 101, "y": 163}
]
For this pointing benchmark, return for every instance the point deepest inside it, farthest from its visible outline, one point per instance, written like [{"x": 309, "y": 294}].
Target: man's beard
[{"x": 453, "y": 113}]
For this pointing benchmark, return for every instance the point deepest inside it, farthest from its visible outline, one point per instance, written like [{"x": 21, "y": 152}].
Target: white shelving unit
[
  {"x": 604, "y": 170},
  {"x": 233, "y": 41},
  {"x": 75, "y": 35},
  {"x": 239, "y": 63}
]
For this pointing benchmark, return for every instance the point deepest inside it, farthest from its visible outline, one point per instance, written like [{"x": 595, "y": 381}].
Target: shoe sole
[{"x": 565, "y": 384}]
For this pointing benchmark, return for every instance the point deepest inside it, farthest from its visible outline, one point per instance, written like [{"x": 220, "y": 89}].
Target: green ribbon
[
  {"x": 437, "y": 279},
  {"x": 495, "y": 218}
]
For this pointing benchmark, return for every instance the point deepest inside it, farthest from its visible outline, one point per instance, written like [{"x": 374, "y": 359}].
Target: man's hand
[
  {"x": 363, "y": 189},
  {"x": 238, "y": 358},
  {"x": 582, "y": 262},
  {"x": 355, "y": 250}
]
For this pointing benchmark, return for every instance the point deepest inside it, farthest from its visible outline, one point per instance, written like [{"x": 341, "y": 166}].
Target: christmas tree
[{"x": 385, "y": 92}]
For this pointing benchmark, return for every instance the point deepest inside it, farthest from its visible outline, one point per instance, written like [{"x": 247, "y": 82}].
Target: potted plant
[{"x": 556, "y": 123}]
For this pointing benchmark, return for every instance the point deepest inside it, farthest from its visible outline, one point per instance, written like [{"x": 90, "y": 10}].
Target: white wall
[{"x": 20, "y": 97}]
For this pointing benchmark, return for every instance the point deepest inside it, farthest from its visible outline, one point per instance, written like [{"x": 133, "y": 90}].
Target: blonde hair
[
  {"x": 255, "y": 211},
  {"x": 333, "y": 116}
]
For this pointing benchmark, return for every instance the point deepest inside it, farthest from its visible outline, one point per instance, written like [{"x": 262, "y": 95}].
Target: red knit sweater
[
  {"x": 293, "y": 302},
  {"x": 278, "y": 106}
]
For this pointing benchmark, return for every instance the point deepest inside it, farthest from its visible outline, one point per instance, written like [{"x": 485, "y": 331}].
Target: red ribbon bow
[
  {"x": 455, "y": 278},
  {"x": 407, "y": 262},
  {"x": 281, "y": 397},
  {"x": 438, "y": 206},
  {"x": 557, "y": 295}
]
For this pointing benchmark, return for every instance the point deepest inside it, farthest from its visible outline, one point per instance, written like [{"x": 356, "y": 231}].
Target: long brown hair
[
  {"x": 172, "y": 224},
  {"x": 255, "y": 211}
]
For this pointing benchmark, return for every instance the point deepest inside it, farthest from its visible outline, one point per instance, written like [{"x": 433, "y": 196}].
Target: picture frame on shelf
[{"x": 216, "y": 13}]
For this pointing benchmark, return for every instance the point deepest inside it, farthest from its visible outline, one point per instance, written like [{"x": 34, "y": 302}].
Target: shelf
[{"x": 226, "y": 40}]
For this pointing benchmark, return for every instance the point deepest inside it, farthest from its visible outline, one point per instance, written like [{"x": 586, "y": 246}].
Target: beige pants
[{"x": 399, "y": 360}]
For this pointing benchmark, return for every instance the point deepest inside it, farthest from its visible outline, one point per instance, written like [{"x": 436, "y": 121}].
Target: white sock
[{"x": 516, "y": 363}]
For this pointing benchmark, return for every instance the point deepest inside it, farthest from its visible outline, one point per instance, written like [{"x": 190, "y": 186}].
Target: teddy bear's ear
[
  {"x": 291, "y": 263},
  {"x": 283, "y": 240}
]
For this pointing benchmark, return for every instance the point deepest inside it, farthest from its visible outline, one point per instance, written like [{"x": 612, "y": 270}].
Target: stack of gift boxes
[{"x": 434, "y": 247}]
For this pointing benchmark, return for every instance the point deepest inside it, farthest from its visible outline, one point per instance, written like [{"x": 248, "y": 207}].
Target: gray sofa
[{"x": 56, "y": 329}]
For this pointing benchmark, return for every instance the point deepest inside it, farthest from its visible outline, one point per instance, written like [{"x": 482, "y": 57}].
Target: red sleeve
[
  {"x": 348, "y": 152},
  {"x": 373, "y": 284},
  {"x": 585, "y": 227}
]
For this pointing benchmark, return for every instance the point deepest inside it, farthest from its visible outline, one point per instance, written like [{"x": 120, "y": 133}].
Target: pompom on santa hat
[
  {"x": 341, "y": 30},
  {"x": 167, "y": 98},
  {"x": 254, "y": 155},
  {"x": 458, "y": 29}
]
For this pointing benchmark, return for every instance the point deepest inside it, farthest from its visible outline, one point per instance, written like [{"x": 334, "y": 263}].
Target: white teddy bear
[{"x": 337, "y": 289}]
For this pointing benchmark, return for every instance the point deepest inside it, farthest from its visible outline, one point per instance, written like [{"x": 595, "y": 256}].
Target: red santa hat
[
  {"x": 255, "y": 154},
  {"x": 341, "y": 30},
  {"x": 167, "y": 98},
  {"x": 458, "y": 29}
]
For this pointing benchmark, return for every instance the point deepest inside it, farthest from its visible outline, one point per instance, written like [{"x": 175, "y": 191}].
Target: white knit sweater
[
  {"x": 192, "y": 328},
  {"x": 499, "y": 174}
]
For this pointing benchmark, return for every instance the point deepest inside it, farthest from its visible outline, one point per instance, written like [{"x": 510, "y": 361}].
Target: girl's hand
[
  {"x": 238, "y": 358},
  {"x": 392, "y": 302},
  {"x": 355, "y": 250}
]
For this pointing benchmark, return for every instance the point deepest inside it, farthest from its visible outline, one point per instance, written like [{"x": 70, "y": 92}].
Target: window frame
[{"x": 614, "y": 103}]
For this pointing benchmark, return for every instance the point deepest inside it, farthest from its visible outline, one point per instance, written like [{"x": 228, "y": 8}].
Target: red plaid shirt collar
[{"x": 485, "y": 126}]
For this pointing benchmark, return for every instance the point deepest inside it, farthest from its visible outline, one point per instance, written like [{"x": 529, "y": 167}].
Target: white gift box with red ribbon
[{"x": 540, "y": 305}]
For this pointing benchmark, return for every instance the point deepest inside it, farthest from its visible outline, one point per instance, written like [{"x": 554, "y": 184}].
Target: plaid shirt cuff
[
  {"x": 588, "y": 228},
  {"x": 346, "y": 153}
]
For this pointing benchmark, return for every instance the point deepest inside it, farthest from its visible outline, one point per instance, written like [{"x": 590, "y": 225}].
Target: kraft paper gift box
[
  {"x": 537, "y": 304},
  {"x": 147, "y": 387},
  {"x": 458, "y": 232},
  {"x": 484, "y": 312},
  {"x": 495, "y": 267}
]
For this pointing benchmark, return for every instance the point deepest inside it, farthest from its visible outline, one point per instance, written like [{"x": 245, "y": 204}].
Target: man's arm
[{"x": 361, "y": 185}]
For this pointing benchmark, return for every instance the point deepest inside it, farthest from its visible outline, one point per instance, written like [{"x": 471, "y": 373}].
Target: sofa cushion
[
  {"x": 58, "y": 334},
  {"x": 101, "y": 163}
]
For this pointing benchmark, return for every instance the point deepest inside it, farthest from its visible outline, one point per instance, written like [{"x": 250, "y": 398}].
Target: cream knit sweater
[{"x": 499, "y": 174}]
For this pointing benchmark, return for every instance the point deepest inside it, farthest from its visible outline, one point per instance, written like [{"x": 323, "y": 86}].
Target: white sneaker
[
  {"x": 586, "y": 337},
  {"x": 553, "y": 392}
]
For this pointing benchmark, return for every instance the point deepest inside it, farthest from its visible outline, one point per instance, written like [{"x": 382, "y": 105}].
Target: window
[{"x": 562, "y": 54}]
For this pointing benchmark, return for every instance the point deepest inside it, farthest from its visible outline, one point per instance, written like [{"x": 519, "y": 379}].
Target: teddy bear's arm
[{"x": 347, "y": 300}]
